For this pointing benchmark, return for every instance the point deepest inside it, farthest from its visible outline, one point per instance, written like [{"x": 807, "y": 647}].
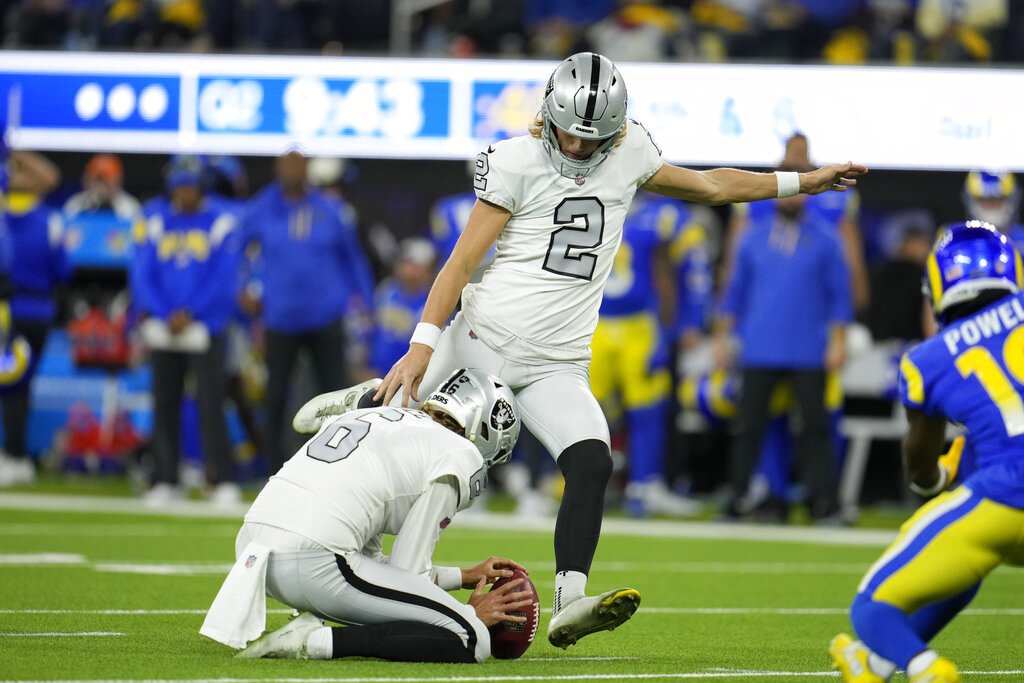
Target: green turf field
[{"x": 120, "y": 596}]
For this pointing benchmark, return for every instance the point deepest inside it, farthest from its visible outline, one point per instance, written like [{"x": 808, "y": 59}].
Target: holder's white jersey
[
  {"x": 538, "y": 302},
  {"x": 362, "y": 473}
]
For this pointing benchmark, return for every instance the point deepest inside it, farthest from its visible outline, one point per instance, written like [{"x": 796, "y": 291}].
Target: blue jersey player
[
  {"x": 972, "y": 373},
  {"x": 659, "y": 290}
]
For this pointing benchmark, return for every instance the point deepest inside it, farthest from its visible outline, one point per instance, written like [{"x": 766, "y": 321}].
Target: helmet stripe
[
  {"x": 1017, "y": 266},
  {"x": 1006, "y": 184},
  {"x": 935, "y": 281},
  {"x": 595, "y": 76}
]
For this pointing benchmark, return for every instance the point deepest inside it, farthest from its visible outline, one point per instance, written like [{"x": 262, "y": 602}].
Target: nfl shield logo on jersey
[
  {"x": 445, "y": 522},
  {"x": 580, "y": 179},
  {"x": 250, "y": 561}
]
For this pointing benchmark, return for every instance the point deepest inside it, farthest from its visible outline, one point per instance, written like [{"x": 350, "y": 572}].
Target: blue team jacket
[
  {"x": 313, "y": 261},
  {"x": 186, "y": 261},
  {"x": 787, "y": 288},
  {"x": 37, "y": 261}
]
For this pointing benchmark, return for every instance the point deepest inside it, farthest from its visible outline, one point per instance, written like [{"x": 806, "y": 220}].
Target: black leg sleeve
[
  {"x": 587, "y": 467},
  {"x": 401, "y": 641}
]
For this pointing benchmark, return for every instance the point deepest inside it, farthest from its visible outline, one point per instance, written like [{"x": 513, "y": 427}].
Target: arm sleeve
[
  {"x": 218, "y": 298},
  {"x": 415, "y": 541},
  {"x": 495, "y": 182},
  {"x": 146, "y": 292},
  {"x": 650, "y": 157},
  {"x": 374, "y": 549},
  {"x": 911, "y": 385},
  {"x": 59, "y": 264}
]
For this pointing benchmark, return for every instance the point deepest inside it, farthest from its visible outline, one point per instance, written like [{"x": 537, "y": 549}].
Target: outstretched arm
[
  {"x": 729, "y": 185},
  {"x": 32, "y": 172}
]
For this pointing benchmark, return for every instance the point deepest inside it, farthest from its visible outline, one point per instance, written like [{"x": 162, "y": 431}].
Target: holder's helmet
[{"x": 481, "y": 408}]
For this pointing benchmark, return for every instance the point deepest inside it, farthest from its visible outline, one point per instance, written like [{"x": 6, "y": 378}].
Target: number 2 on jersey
[
  {"x": 978, "y": 361},
  {"x": 343, "y": 435},
  {"x": 561, "y": 258}
]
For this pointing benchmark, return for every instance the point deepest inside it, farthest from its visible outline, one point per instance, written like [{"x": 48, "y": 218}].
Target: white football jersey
[
  {"x": 361, "y": 474},
  {"x": 539, "y": 300}
]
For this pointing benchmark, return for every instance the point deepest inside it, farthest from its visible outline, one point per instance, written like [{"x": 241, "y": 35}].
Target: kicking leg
[{"x": 563, "y": 414}]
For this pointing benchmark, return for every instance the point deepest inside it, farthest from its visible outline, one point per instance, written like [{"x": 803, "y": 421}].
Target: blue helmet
[
  {"x": 714, "y": 395},
  {"x": 992, "y": 196},
  {"x": 968, "y": 259}
]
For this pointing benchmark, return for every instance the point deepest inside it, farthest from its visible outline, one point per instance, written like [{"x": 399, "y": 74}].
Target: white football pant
[{"x": 555, "y": 400}]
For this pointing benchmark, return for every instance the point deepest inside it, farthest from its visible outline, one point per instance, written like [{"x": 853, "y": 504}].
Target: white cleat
[
  {"x": 287, "y": 642},
  {"x": 655, "y": 498},
  {"x": 588, "y": 615},
  {"x": 161, "y": 494},
  {"x": 317, "y": 410},
  {"x": 226, "y": 495},
  {"x": 16, "y": 471}
]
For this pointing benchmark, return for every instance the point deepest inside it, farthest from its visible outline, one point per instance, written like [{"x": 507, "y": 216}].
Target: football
[{"x": 510, "y": 639}]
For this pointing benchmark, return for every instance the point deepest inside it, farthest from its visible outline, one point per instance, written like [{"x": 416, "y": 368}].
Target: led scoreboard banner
[{"x": 700, "y": 114}]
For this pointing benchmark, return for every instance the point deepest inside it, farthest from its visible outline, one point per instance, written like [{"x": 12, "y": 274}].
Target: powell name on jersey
[{"x": 972, "y": 373}]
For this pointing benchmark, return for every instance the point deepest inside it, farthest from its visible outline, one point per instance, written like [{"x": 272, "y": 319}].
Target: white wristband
[
  {"x": 789, "y": 183},
  {"x": 448, "y": 578},
  {"x": 932, "y": 490},
  {"x": 426, "y": 334}
]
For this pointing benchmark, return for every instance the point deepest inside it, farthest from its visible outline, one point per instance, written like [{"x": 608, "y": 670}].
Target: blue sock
[
  {"x": 647, "y": 433},
  {"x": 886, "y": 630},
  {"x": 773, "y": 462},
  {"x": 929, "y": 620}
]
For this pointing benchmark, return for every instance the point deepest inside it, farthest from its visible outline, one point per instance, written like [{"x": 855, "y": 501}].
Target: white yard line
[
  {"x": 53, "y": 635},
  {"x": 725, "y": 611},
  {"x": 162, "y": 569},
  {"x": 41, "y": 559},
  {"x": 125, "y": 529},
  {"x": 487, "y": 521},
  {"x": 123, "y": 612},
  {"x": 546, "y": 677}
]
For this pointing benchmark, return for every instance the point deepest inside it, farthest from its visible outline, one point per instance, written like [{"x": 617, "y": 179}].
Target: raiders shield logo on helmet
[{"x": 502, "y": 415}]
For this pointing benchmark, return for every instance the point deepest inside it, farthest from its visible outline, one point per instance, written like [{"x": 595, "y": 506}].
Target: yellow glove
[{"x": 950, "y": 460}]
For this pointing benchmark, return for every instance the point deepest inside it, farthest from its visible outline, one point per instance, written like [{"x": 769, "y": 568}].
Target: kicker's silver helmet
[
  {"x": 585, "y": 97},
  {"x": 481, "y": 408}
]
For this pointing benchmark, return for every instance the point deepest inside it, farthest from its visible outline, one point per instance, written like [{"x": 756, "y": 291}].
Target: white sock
[
  {"x": 320, "y": 643},
  {"x": 569, "y": 587},
  {"x": 920, "y": 663},
  {"x": 881, "y": 666}
]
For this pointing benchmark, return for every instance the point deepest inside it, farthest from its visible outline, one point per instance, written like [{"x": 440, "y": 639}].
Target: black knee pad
[{"x": 589, "y": 461}]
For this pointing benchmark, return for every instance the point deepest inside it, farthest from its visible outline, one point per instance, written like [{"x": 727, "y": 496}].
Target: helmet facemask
[
  {"x": 585, "y": 97},
  {"x": 993, "y": 197}
]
